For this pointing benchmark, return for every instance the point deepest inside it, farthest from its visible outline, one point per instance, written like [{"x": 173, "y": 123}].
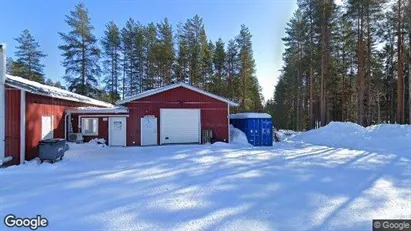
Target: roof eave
[
  {"x": 51, "y": 96},
  {"x": 132, "y": 98}
]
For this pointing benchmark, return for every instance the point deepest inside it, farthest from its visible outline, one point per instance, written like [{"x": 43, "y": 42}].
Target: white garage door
[{"x": 178, "y": 126}]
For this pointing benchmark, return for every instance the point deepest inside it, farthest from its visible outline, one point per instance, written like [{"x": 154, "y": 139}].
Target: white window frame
[
  {"x": 52, "y": 125},
  {"x": 82, "y": 123}
]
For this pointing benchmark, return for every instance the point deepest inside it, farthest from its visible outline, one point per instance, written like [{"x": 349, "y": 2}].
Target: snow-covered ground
[{"x": 334, "y": 178}]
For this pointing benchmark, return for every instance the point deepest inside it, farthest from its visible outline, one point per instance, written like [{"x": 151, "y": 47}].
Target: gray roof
[{"x": 54, "y": 92}]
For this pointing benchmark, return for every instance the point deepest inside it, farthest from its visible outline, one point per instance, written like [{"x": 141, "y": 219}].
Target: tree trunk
[
  {"x": 112, "y": 78},
  {"x": 312, "y": 125},
  {"x": 400, "y": 80},
  {"x": 409, "y": 69},
  {"x": 83, "y": 68},
  {"x": 324, "y": 61},
  {"x": 369, "y": 74},
  {"x": 360, "y": 74},
  {"x": 124, "y": 78},
  {"x": 343, "y": 117},
  {"x": 298, "y": 93}
]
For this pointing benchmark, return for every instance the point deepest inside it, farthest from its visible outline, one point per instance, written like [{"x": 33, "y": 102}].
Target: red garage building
[
  {"x": 173, "y": 114},
  {"x": 176, "y": 114}
]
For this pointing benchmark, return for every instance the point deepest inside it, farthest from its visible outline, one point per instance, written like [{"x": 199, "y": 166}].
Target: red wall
[
  {"x": 13, "y": 124},
  {"x": 214, "y": 113},
  {"x": 37, "y": 106},
  {"x": 102, "y": 125}
]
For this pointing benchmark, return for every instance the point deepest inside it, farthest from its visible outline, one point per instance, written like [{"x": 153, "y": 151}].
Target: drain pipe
[{"x": 2, "y": 103}]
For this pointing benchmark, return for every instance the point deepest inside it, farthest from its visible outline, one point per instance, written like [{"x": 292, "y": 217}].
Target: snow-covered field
[{"x": 335, "y": 178}]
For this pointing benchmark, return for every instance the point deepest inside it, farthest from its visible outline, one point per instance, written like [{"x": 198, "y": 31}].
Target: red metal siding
[
  {"x": 38, "y": 106},
  {"x": 102, "y": 127},
  {"x": 214, "y": 113},
  {"x": 13, "y": 124}
]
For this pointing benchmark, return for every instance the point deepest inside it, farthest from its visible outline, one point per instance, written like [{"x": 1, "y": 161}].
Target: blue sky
[{"x": 266, "y": 20}]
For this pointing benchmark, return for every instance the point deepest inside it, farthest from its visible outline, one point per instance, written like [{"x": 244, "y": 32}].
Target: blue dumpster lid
[{"x": 250, "y": 115}]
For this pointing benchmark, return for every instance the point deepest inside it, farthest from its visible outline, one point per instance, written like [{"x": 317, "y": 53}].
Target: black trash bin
[{"x": 52, "y": 149}]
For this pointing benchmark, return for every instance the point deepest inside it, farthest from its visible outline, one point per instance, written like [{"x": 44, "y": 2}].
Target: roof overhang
[
  {"x": 95, "y": 110},
  {"x": 52, "y": 92},
  {"x": 173, "y": 86}
]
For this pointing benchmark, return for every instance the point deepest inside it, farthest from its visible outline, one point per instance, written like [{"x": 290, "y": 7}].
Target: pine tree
[
  {"x": 400, "y": 78},
  {"x": 165, "y": 52},
  {"x": 206, "y": 62},
  {"x": 408, "y": 13},
  {"x": 191, "y": 32},
  {"x": 233, "y": 66},
  {"x": 129, "y": 60},
  {"x": 29, "y": 57},
  {"x": 111, "y": 46},
  {"x": 9, "y": 64},
  {"x": 219, "y": 79},
  {"x": 140, "y": 55},
  {"x": 248, "y": 81},
  {"x": 150, "y": 77},
  {"x": 182, "y": 60},
  {"x": 81, "y": 53}
]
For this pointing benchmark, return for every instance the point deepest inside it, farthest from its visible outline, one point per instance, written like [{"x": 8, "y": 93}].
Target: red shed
[
  {"x": 33, "y": 112},
  {"x": 176, "y": 114}
]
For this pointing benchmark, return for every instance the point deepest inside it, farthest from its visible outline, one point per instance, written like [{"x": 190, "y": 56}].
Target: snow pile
[
  {"x": 220, "y": 144},
  {"x": 391, "y": 138},
  {"x": 98, "y": 141},
  {"x": 237, "y": 136},
  {"x": 286, "y": 134}
]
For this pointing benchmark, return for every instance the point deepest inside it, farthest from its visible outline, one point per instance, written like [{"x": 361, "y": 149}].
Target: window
[
  {"x": 89, "y": 126},
  {"x": 47, "y": 127}
]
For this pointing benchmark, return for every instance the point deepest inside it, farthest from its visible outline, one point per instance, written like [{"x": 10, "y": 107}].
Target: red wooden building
[
  {"x": 173, "y": 114},
  {"x": 33, "y": 112},
  {"x": 176, "y": 113}
]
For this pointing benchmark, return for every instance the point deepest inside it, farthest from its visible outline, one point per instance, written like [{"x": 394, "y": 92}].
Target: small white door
[
  {"x": 117, "y": 131},
  {"x": 47, "y": 127},
  {"x": 178, "y": 126},
  {"x": 148, "y": 130}
]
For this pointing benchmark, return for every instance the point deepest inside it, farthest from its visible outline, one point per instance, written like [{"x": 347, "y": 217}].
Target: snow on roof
[
  {"x": 45, "y": 90},
  {"x": 90, "y": 110},
  {"x": 172, "y": 86},
  {"x": 250, "y": 115}
]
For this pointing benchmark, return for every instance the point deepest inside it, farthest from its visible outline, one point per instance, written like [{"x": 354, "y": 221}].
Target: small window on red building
[{"x": 89, "y": 126}]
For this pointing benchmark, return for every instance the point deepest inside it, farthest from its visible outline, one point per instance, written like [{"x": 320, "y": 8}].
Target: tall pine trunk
[
  {"x": 324, "y": 60},
  {"x": 409, "y": 69},
  {"x": 298, "y": 93},
  {"x": 83, "y": 69},
  {"x": 360, "y": 74},
  {"x": 312, "y": 123},
  {"x": 400, "y": 80},
  {"x": 369, "y": 74}
]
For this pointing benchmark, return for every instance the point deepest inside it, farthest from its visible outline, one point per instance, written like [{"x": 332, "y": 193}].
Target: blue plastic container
[{"x": 258, "y": 127}]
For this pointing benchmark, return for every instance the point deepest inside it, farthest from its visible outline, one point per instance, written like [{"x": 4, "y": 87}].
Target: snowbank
[
  {"x": 286, "y": 134},
  {"x": 92, "y": 144},
  {"x": 237, "y": 136},
  {"x": 391, "y": 138}
]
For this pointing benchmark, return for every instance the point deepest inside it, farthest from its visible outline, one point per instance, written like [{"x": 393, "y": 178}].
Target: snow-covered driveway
[{"x": 290, "y": 186}]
